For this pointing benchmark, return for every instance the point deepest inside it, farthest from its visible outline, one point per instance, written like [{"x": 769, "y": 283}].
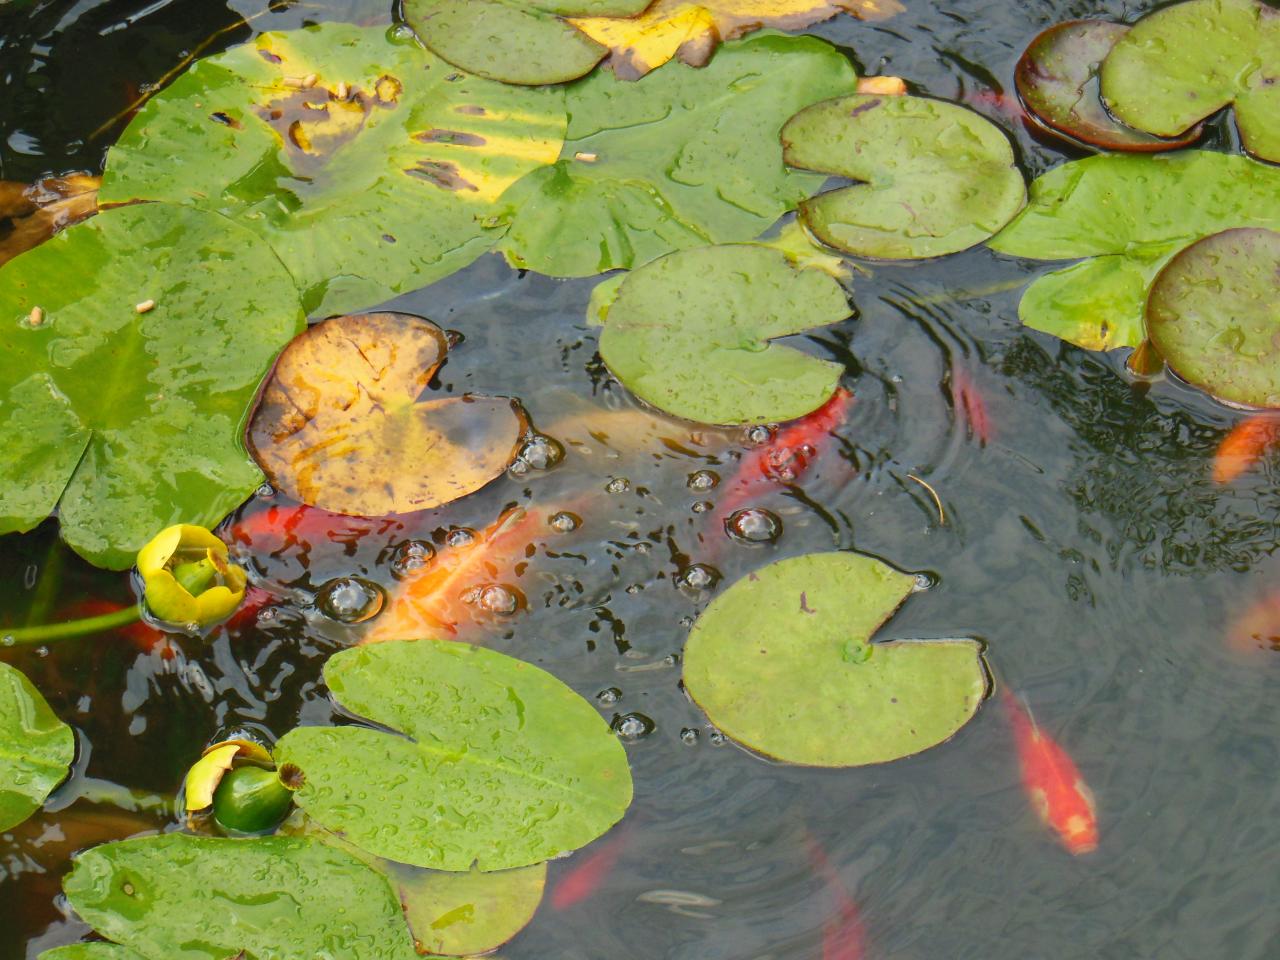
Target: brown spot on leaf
[
  {"x": 387, "y": 90},
  {"x": 226, "y": 120},
  {"x": 270, "y": 57},
  {"x": 457, "y": 137},
  {"x": 471, "y": 110},
  {"x": 864, "y": 107},
  {"x": 32, "y": 213},
  {"x": 443, "y": 174}
]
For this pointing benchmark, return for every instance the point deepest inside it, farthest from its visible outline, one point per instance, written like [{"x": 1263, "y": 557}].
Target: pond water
[{"x": 1084, "y": 541}]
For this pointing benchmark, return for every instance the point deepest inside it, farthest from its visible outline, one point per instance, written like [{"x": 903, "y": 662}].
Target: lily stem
[{"x": 44, "y": 632}]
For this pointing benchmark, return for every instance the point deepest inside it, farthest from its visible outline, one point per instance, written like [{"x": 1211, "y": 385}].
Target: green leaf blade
[{"x": 36, "y": 748}]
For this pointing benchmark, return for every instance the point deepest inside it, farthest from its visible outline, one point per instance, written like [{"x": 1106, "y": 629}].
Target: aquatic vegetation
[{"x": 36, "y": 748}]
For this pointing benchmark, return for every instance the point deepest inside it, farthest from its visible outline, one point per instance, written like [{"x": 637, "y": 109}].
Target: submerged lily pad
[
  {"x": 91, "y": 951},
  {"x": 935, "y": 178},
  {"x": 490, "y": 762},
  {"x": 370, "y": 166},
  {"x": 1185, "y": 62},
  {"x": 783, "y": 663},
  {"x": 515, "y": 41},
  {"x": 682, "y": 158},
  {"x": 1214, "y": 315},
  {"x": 690, "y": 334},
  {"x": 131, "y": 347},
  {"x": 1057, "y": 79},
  {"x": 1131, "y": 214},
  {"x": 692, "y": 29},
  {"x": 199, "y": 898},
  {"x": 36, "y": 748},
  {"x": 340, "y": 425}
]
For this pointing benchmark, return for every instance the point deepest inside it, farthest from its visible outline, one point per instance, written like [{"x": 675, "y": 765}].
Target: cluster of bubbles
[{"x": 538, "y": 453}]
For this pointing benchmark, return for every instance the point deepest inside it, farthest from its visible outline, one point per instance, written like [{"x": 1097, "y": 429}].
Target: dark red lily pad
[
  {"x": 1057, "y": 79},
  {"x": 1214, "y": 313}
]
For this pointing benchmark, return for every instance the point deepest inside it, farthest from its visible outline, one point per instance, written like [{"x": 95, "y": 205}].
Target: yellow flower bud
[{"x": 188, "y": 578}]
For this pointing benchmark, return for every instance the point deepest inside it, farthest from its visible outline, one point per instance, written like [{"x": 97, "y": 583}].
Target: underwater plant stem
[{"x": 43, "y": 633}]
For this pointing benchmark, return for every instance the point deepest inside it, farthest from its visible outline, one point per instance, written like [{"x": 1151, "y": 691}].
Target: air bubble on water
[
  {"x": 541, "y": 452},
  {"x": 264, "y": 491},
  {"x": 618, "y": 485},
  {"x": 698, "y": 578},
  {"x": 42, "y": 651},
  {"x": 703, "y": 506},
  {"x": 401, "y": 33},
  {"x": 754, "y": 525},
  {"x": 410, "y": 557},
  {"x": 609, "y": 696},
  {"x": 7, "y": 640},
  {"x": 758, "y": 435},
  {"x": 923, "y": 581},
  {"x": 689, "y": 736},
  {"x": 518, "y": 469},
  {"x": 499, "y": 599},
  {"x": 717, "y": 738},
  {"x": 350, "y": 600},
  {"x": 268, "y": 614},
  {"x": 632, "y": 726},
  {"x": 565, "y": 522},
  {"x": 703, "y": 480},
  {"x": 460, "y": 537},
  {"x": 686, "y": 621}
]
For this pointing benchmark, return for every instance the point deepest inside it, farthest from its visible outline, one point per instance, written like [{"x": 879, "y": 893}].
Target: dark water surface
[{"x": 1085, "y": 543}]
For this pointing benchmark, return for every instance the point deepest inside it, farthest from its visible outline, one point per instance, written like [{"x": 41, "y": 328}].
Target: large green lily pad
[
  {"x": 1214, "y": 315},
  {"x": 91, "y": 951},
  {"x": 179, "y": 897},
  {"x": 682, "y": 158},
  {"x": 36, "y": 748},
  {"x": 783, "y": 663},
  {"x": 490, "y": 762},
  {"x": 1057, "y": 78},
  {"x": 1183, "y": 63},
  {"x": 371, "y": 166},
  {"x": 690, "y": 334},
  {"x": 128, "y": 422},
  {"x": 1131, "y": 214},
  {"x": 935, "y": 178},
  {"x": 515, "y": 41}
]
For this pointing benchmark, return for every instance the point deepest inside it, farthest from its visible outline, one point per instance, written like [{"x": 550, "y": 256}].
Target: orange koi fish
[
  {"x": 1246, "y": 444},
  {"x": 787, "y": 456},
  {"x": 275, "y": 527},
  {"x": 970, "y": 406},
  {"x": 843, "y": 935},
  {"x": 1054, "y": 785},
  {"x": 1258, "y": 628},
  {"x": 582, "y": 882},
  {"x": 434, "y": 599}
]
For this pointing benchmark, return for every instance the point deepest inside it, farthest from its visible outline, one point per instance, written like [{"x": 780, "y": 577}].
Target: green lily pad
[
  {"x": 124, "y": 421},
  {"x": 935, "y": 178},
  {"x": 515, "y": 41},
  {"x": 371, "y": 167},
  {"x": 783, "y": 663},
  {"x": 681, "y": 158},
  {"x": 36, "y": 748},
  {"x": 1183, "y": 63},
  {"x": 179, "y": 897},
  {"x": 91, "y": 951},
  {"x": 1131, "y": 214},
  {"x": 690, "y": 334},
  {"x": 490, "y": 762},
  {"x": 1214, "y": 315},
  {"x": 1057, "y": 79}
]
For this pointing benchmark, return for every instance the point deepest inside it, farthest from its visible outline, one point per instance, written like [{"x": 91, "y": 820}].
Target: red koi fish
[
  {"x": 582, "y": 882},
  {"x": 843, "y": 935},
  {"x": 787, "y": 456},
  {"x": 1246, "y": 444},
  {"x": 1006, "y": 104},
  {"x": 1057, "y": 791},
  {"x": 275, "y": 527},
  {"x": 434, "y": 600},
  {"x": 970, "y": 406},
  {"x": 1258, "y": 628}
]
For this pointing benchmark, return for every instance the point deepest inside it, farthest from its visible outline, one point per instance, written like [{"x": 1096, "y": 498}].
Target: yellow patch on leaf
[{"x": 691, "y": 31}]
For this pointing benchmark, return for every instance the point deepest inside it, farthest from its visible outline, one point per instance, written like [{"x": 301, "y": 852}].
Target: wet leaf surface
[
  {"x": 490, "y": 762},
  {"x": 128, "y": 419},
  {"x": 1214, "y": 314},
  {"x": 340, "y": 425},
  {"x": 32, "y": 213},
  {"x": 679, "y": 159},
  {"x": 1183, "y": 63},
  {"x": 516, "y": 41},
  {"x": 36, "y": 748},
  {"x": 783, "y": 663},
  {"x": 691, "y": 30},
  {"x": 1131, "y": 214},
  {"x": 200, "y": 898},
  {"x": 371, "y": 167},
  {"x": 934, "y": 178},
  {"x": 1057, "y": 79},
  {"x": 91, "y": 951},
  {"x": 690, "y": 334}
]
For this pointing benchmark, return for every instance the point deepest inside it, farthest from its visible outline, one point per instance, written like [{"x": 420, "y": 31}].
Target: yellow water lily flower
[{"x": 189, "y": 578}]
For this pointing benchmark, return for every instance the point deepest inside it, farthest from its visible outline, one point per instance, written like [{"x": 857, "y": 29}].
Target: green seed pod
[{"x": 252, "y": 799}]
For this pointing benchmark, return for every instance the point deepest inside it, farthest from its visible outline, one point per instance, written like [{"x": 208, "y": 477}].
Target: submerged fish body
[
  {"x": 585, "y": 878},
  {"x": 843, "y": 934},
  {"x": 1245, "y": 446},
  {"x": 970, "y": 406},
  {"x": 1053, "y": 784}
]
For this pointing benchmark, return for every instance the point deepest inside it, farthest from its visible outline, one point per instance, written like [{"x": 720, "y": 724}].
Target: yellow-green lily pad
[
  {"x": 91, "y": 951},
  {"x": 36, "y": 748},
  {"x": 1214, "y": 315},
  {"x": 1185, "y": 62},
  {"x": 934, "y": 178},
  {"x": 783, "y": 662}
]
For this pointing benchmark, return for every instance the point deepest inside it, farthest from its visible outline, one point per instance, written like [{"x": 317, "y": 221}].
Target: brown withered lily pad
[
  {"x": 31, "y": 213},
  {"x": 1214, "y": 314},
  {"x": 1057, "y": 79},
  {"x": 340, "y": 425}
]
